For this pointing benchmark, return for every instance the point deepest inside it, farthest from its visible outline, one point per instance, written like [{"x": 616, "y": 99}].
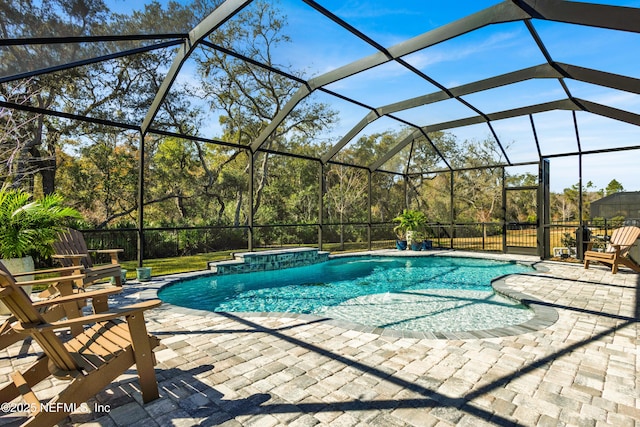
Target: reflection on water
[{"x": 397, "y": 292}]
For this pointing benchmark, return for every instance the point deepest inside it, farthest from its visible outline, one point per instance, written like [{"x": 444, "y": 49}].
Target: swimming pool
[{"x": 407, "y": 293}]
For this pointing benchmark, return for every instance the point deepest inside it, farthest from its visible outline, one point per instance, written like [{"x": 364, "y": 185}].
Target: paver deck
[{"x": 255, "y": 370}]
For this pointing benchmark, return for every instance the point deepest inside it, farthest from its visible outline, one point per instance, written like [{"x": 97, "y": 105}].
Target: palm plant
[
  {"x": 30, "y": 227},
  {"x": 409, "y": 221}
]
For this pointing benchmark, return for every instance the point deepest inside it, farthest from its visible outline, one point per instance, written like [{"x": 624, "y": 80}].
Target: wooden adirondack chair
[
  {"x": 61, "y": 282},
  {"x": 617, "y": 250},
  {"x": 90, "y": 361},
  {"x": 71, "y": 250}
]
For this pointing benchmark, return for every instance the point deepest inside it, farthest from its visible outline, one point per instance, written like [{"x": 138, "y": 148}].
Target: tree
[
  {"x": 428, "y": 191},
  {"x": 119, "y": 89},
  {"x": 566, "y": 205},
  {"x": 36, "y": 137},
  {"x": 478, "y": 189},
  {"x": 15, "y": 134},
  {"x": 387, "y": 195},
  {"x": 346, "y": 196},
  {"x": 101, "y": 182},
  {"x": 249, "y": 97},
  {"x": 613, "y": 187},
  {"x": 521, "y": 204}
]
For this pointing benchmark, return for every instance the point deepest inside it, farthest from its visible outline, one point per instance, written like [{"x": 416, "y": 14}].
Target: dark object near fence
[{"x": 586, "y": 237}]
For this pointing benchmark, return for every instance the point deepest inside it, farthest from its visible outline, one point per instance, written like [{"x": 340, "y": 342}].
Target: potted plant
[
  {"x": 410, "y": 222},
  {"x": 417, "y": 241},
  {"x": 401, "y": 240},
  {"x": 29, "y": 228},
  {"x": 427, "y": 244}
]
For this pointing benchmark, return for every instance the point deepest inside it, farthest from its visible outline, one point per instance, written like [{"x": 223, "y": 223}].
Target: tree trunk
[
  {"x": 236, "y": 217},
  {"x": 262, "y": 182},
  {"x": 341, "y": 232}
]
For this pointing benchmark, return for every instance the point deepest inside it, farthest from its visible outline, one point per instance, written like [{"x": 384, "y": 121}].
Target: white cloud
[{"x": 441, "y": 53}]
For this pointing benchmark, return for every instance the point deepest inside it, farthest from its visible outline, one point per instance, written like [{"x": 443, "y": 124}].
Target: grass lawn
[
  {"x": 164, "y": 266},
  {"x": 199, "y": 262}
]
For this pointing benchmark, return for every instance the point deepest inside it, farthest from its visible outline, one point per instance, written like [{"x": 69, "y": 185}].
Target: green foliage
[
  {"x": 568, "y": 240},
  {"x": 191, "y": 183},
  {"x": 163, "y": 266},
  {"x": 616, "y": 221},
  {"x": 613, "y": 187},
  {"x": 409, "y": 220},
  {"x": 29, "y": 228},
  {"x": 478, "y": 192}
]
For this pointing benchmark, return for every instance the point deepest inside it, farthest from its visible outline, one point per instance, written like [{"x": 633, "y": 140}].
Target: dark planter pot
[
  {"x": 427, "y": 244},
  {"x": 416, "y": 246},
  {"x": 401, "y": 245}
]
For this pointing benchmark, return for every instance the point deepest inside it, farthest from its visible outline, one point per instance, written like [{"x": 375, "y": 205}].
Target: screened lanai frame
[{"x": 526, "y": 12}]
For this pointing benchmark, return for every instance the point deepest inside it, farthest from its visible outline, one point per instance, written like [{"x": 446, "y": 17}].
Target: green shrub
[{"x": 30, "y": 227}]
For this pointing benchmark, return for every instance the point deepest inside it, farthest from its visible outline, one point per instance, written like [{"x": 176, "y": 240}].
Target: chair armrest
[
  {"x": 69, "y": 256},
  {"x": 47, "y": 271},
  {"x": 89, "y": 319},
  {"x": 113, "y": 253},
  {"x": 79, "y": 296},
  {"x": 51, "y": 280},
  {"x": 617, "y": 248},
  {"x": 75, "y": 258}
]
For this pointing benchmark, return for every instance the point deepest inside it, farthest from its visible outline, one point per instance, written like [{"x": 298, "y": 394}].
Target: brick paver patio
[{"x": 577, "y": 366}]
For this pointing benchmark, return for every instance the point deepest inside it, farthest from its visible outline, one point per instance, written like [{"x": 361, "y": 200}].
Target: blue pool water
[{"x": 415, "y": 293}]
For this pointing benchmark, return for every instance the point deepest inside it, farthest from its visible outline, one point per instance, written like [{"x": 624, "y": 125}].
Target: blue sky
[{"x": 319, "y": 45}]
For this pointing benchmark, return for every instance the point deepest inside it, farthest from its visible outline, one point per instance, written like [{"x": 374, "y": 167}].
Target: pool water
[{"x": 409, "y": 293}]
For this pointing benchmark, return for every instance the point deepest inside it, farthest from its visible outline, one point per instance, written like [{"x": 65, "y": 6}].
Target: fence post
[{"x": 369, "y": 216}]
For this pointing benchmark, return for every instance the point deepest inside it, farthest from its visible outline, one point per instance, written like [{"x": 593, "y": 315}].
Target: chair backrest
[
  {"x": 71, "y": 242},
  {"x": 20, "y": 305},
  {"x": 625, "y": 237}
]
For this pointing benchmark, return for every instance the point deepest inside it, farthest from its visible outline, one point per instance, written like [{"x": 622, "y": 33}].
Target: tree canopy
[{"x": 189, "y": 181}]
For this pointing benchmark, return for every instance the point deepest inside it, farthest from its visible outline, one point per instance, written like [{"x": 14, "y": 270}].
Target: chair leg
[
  {"x": 32, "y": 376},
  {"x": 631, "y": 264},
  {"x": 50, "y": 418},
  {"x": 81, "y": 389},
  {"x": 145, "y": 360},
  {"x": 100, "y": 304}
]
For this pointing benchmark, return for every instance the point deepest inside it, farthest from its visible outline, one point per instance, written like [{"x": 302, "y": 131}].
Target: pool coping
[{"x": 544, "y": 316}]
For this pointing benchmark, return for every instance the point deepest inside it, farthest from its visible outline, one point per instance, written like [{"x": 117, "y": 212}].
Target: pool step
[{"x": 247, "y": 262}]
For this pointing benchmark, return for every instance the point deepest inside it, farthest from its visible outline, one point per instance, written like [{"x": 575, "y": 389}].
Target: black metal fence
[
  {"x": 566, "y": 236},
  {"x": 169, "y": 242},
  {"x": 183, "y": 241}
]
